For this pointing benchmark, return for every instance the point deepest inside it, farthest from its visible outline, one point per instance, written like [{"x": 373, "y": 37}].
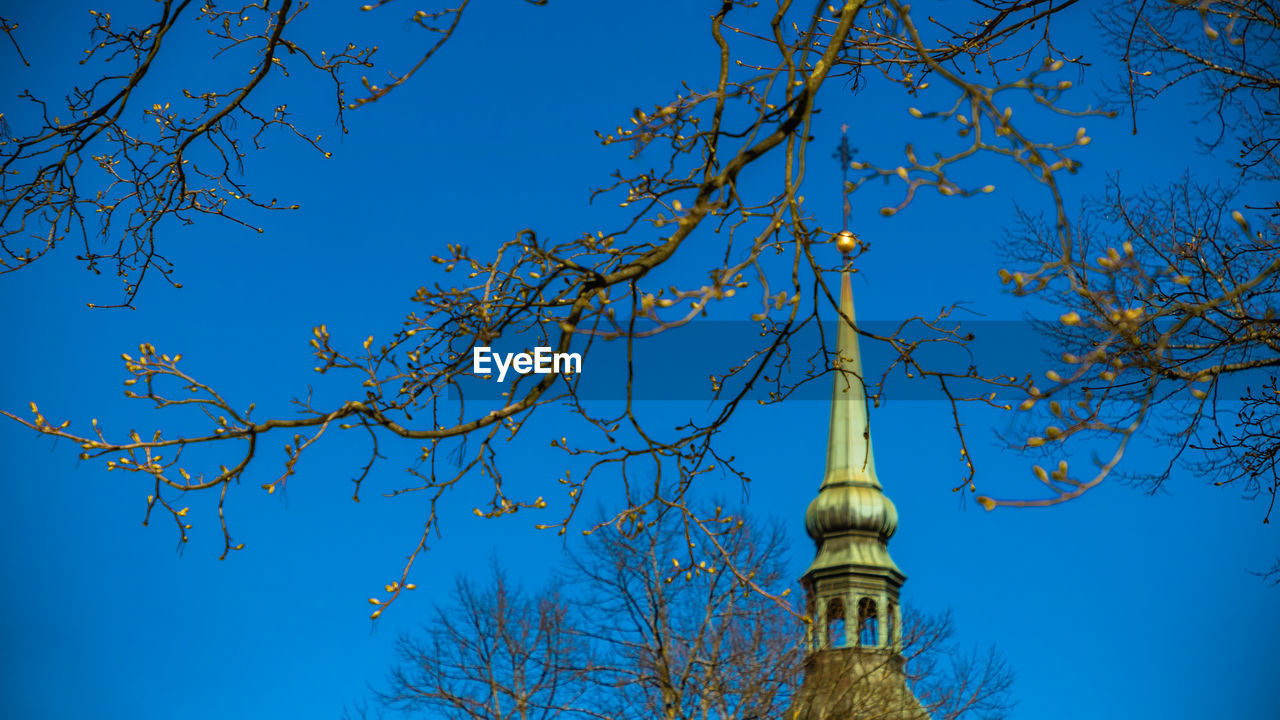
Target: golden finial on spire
[{"x": 846, "y": 241}]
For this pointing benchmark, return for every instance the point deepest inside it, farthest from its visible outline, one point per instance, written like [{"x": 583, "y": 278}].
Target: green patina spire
[
  {"x": 849, "y": 457},
  {"x": 855, "y": 663},
  {"x": 851, "y": 519}
]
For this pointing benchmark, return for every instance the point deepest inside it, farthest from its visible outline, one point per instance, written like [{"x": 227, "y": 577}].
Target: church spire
[
  {"x": 851, "y": 520},
  {"x": 849, "y": 457},
  {"x": 854, "y": 667}
]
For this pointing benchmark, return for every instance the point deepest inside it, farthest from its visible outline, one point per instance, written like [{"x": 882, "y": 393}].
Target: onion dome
[{"x": 851, "y": 509}]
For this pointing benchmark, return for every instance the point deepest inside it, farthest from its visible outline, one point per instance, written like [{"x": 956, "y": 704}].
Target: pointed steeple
[
  {"x": 855, "y": 667},
  {"x": 851, "y": 519},
  {"x": 849, "y": 457}
]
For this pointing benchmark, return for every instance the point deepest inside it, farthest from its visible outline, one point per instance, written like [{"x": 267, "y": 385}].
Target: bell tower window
[
  {"x": 868, "y": 623},
  {"x": 891, "y": 626},
  {"x": 835, "y": 623}
]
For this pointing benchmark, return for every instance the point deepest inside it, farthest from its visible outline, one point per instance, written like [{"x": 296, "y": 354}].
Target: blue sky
[{"x": 1118, "y": 605}]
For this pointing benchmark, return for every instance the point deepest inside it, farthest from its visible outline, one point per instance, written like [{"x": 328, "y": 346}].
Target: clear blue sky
[{"x": 1117, "y": 606}]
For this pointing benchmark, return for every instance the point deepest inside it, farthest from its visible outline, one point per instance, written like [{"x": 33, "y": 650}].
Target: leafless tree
[
  {"x": 571, "y": 295},
  {"x": 633, "y": 634},
  {"x": 950, "y": 681},
  {"x": 689, "y": 640},
  {"x": 140, "y": 171},
  {"x": 1229, "y": 50},
  {"x": 497, "y": 653},
  {"x": 1168, "y": 295}
]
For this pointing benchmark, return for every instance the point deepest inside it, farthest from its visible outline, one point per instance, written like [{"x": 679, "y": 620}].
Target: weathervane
[{"x": 846, "y": 241}]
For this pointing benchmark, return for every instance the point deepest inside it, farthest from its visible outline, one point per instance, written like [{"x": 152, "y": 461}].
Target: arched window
[
  {"x": 868, "y": 623},
  {"x": 835, "y": 623},
  {"x": 891, "y": 626},
  {"x": 816, "y": 630}
]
